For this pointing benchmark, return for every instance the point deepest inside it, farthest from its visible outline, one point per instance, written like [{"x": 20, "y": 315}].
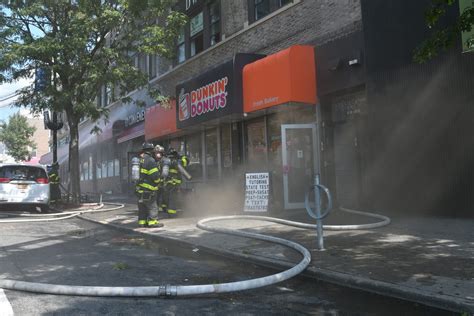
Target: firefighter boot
[{"x": 153, "y": 223}]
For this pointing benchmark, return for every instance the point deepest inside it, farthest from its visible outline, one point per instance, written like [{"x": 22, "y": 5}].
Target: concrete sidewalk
[{"x": 425, "y": 260}]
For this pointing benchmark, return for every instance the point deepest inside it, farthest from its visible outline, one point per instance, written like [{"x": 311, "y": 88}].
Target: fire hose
[{"x": 183, "y": 290}]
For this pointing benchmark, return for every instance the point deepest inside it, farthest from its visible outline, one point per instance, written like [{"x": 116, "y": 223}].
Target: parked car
[{"x": 24, "y": 185}]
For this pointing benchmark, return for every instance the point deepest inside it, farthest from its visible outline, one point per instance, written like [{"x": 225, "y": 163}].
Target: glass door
[{"x": 300, "y": 158}]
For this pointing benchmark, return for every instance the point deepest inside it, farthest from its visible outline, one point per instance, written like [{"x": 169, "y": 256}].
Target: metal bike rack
[{"x": 318, "y": 214}]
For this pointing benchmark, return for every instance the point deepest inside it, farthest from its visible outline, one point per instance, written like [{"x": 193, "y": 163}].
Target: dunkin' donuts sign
[
  {"x": 213, "y": 95},
  {"x": 205, "y": 99}
]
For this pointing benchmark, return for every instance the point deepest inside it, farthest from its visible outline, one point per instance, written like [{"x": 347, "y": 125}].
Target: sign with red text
[
  {"x": 208, "y": 98},
  {"x": 214, "y": 94}
]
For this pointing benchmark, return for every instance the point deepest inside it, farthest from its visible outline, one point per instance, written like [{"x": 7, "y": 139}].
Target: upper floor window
[
  {"x": 215, "y": 22},
  {"x": 105, "y": 96},
  {"x": 261, "y": 8},
  {"x": 140, "y": 62},
  {"x": 102, "y": 97},
  {"x": 196, "y": 28},
  {"x": 202, "y": 31},
  {"x": 152, "y": 66},
  {"x": 109, "y": 95},
  {"x": 181, "y": 53},
  {"x": 190, "y": 3}
]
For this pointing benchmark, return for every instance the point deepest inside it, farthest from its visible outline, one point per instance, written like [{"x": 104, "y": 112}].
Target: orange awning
[
  {"x": 287, "y": 76},
  {"x": 160, "y": 120}
]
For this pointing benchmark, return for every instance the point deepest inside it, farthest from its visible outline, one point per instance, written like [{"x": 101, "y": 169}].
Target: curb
[{"x": 334, "y": 277}]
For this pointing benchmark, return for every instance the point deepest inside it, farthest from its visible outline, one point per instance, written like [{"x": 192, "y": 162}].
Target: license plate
[{"x": 22, "y": 186}]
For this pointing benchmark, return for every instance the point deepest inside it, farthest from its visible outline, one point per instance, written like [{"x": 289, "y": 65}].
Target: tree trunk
[{"x": 74, "y": 157}]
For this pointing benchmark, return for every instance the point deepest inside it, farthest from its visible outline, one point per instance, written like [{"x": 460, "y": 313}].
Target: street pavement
[{"x": 429, "y": 260}]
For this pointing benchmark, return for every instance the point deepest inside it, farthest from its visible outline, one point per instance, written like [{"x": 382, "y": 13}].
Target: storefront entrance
[{"x": 300, "y": 161}]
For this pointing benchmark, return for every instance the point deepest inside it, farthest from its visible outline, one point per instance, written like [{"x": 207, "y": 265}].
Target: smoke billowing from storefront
[
  {"x": 223, "y": 198},
  {"x": 417, "y": 167}
]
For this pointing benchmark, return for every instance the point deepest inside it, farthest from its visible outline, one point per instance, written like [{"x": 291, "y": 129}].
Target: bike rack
[{"x": 318, "y": 214}]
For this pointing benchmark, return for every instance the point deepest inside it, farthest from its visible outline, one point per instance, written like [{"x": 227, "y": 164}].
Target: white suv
[{"x": 24, "y": 185}]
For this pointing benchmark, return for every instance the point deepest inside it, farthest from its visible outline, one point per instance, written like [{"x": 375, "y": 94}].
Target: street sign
[{"x": 42, "y": 78}]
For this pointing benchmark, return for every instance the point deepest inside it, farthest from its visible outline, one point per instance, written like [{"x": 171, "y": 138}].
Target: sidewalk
[{"x": 425, "y": 260}]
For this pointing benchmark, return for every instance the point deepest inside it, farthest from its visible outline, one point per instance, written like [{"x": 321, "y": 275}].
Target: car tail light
[
  {"x": 42, "y": 180},
  {"x": 5, "y": 180}
]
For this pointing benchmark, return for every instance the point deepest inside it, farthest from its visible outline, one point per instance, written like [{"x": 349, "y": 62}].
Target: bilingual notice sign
[{"x": 257, "y": 192}]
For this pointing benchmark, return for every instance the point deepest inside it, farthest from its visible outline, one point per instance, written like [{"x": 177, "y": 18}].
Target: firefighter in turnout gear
[
  {"x": 54, "y": 181},
  {"x": 147, "y": 187},
  {"x": 159, "y": 156},
  {"x": 171, "y": 166}
]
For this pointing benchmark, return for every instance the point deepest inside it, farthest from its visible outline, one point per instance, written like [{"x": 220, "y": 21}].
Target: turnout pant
[
  {"x": 147, "y": 209},
  {"x": 167, "y": 198},
  {"x": 55, "y": 192}
]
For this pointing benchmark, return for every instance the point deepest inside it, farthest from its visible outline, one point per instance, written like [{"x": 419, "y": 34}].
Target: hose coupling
[{"x": 167, "y": 290}]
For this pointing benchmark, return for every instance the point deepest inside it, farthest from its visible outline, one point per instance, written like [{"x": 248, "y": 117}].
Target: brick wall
[
  {"x": 41, "y": 136},
  {"x": 305, "y": 22}
]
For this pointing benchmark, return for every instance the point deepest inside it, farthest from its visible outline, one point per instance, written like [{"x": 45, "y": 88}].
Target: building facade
[{"x": 298, "y": 88}]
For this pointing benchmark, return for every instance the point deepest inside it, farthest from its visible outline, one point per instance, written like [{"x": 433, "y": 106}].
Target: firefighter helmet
[
  {"x": 148, "y": 146},
  {"x": 159, "y": 149},
  {"x": 172, "y": 152}
]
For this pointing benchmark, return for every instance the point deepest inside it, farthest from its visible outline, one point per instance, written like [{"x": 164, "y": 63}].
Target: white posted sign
[{"x": 257, "y": 192}]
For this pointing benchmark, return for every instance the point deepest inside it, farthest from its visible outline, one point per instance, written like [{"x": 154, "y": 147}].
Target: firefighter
[
  {"x": 172, "y": 180},
  {"x": 146, "y": 188},
  {"x": 159, "y": 155},
  {"x": 53, "y": 175}
]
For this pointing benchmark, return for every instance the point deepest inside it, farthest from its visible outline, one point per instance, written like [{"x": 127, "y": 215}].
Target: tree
[
  {"x": 83, "y": 45},
  {"x": 16, "y": 136},
  {"x": 443, "y": 38}
]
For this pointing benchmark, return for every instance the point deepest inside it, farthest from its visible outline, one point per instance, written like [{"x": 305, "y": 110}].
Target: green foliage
[
  {"x": 444, "y": 38},
  {"x": 85, "y": 45},
  {"x": 16, "y": 135}
]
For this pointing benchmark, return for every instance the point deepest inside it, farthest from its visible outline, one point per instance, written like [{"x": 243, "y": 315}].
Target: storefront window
[
  {"x": 99, "y": 170},
  {"x": 91, "y": 168},
  {"x": 85, "y": 171},
  {"x": 193, "y": 152},
  {"x": 104, "y": 169},
  {"x": 110, "y": 168},
  {"x": 178, "y": 145},
  {"x": 212, "y": 165},
  {"x": 256, "y": 144},
  {"x": 275, "y": 165},
  {"x": 274, "y": 137},
  {"x": 274, "y": 123},
  {"x": 226, "y": 149},
  {"x": 117, "y": 167}
]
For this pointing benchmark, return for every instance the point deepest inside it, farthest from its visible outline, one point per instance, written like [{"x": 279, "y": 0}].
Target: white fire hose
[{"x": 186, "y": 290}]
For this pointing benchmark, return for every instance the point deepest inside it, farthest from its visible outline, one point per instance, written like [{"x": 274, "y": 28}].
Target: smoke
[
  {"x": 211, "y": 199},
  {"x": 226, "y": 196},
  {"x": 415, "y": 163}
]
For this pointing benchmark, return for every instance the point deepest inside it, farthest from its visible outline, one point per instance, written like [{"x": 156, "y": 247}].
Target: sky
[{"x": 8, "y": 89}]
